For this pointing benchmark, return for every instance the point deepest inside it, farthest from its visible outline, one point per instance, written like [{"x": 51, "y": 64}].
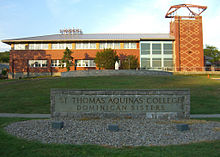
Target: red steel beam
[{"x": 174, "y": 8}]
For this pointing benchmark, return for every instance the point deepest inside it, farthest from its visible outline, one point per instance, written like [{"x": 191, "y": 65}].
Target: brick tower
[{"x": 188, "y": 34}]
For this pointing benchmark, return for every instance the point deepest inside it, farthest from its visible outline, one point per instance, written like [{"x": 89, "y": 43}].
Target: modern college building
[{"x": 179, "y": 50}]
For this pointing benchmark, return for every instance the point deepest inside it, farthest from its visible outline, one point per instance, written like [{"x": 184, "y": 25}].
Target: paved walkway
[{"x": 48, "y": 115}]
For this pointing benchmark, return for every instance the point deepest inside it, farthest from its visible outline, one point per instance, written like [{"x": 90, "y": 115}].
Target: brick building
[{"x": 179, "y": 50}]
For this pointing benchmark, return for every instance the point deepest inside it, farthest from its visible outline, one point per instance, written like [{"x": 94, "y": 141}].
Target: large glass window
[
  {"x": 145, "y": 63},
  {"x": 85, "y": 63},
  {"x": 156, "y": 48},
  {"x": 168, "y": 62},
  {"x": 156, "y": 62},
  {"x": 156, "y": 54},
  {"x": 37, "y": 63},
  {"x": 145, "y": 48},
  {"x": 167, "y": 48}
]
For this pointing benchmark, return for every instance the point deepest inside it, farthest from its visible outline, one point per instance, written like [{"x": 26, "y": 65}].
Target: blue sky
[{"x": 26, "y": 18}]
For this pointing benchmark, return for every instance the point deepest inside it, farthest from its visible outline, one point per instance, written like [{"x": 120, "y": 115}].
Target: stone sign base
[
  {"x": 143, "y": 104},
  {"x": 87, "y": 116}
]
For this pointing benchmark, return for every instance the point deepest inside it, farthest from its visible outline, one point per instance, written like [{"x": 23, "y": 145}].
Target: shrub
[
  {"x": 4, "y": 72},
  {"x": 130, "y": 62},
  {"x": 106, "y": 59}
]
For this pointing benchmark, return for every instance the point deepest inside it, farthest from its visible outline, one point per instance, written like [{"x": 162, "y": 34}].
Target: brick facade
[
  {"x": 19, "y": 58},
  {"x": 188, "y": 47}
]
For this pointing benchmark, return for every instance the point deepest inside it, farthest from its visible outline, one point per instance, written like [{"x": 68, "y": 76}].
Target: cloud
[{"x": 4, "y": 47}]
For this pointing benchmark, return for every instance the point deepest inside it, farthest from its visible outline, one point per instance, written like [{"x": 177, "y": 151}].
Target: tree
[
  {"x": 67, "y": 59},
  {"x": 4, "y": 57},
  {"x": 213, "y": 53},
  {"x": 130, "y": 62},
  {"x": 106, "y": 59}
]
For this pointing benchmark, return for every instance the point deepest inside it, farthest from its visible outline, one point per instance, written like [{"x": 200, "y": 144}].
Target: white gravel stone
[{"x": 133, "y": 132}]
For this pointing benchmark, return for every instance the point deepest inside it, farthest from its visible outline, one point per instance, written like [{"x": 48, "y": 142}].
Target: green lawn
[
  {"x": 11, "y": 146},
  {"x": 33, "y": 96}
]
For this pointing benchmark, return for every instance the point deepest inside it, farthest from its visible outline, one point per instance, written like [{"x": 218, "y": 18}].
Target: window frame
[
  {"x": 39, "y": 61},
  {"x": 82, "y": 63}
]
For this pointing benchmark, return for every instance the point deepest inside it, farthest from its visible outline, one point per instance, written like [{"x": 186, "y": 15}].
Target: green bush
[
  {"x": 4, "y": 72},
  {"x": 130, "y": 62},
  {"x": 4, "y": 57},
  {"x": 106, "y": 59}
]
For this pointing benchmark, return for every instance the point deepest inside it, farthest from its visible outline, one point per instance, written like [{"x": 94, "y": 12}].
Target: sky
[{"x": 27, "y": 18}]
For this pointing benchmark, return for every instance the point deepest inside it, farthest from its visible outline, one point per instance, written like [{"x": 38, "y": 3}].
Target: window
[
  {"x": 19, "y": 47},
  {"x": 57, "y": 63},
  {"x": 61, "y": 46},
  {"x": 55, "y": 46},
  {"x": 145, "y": 48},
  {"x": 85, "y": 63},
  {"x": 145, "y": 63},
  {"x": 38, "y": 46},
  {"x": 44, "y": 46},
  {"x": 155, "y": 54},
  {"x": 110, "y": 45},
  {"x": 130, "y": 45},
  {"x": 156, "y": 62},
  {"x": 126, "y": 45},
  {"x": 117, "y": 45},
  {"x": 102, "y": 45},
  {"x": 168, "y": 62},
  {"x": 37, "y": 63},
  {"x": 92, "y": 45},
  {"x": 133, "y": 45},
  {"x": 168, "y": 48},
  {"x": 69, "y": 46},
  {"x": 156, "y": 48},
  {"x": 31, "y": 47},
  {"x": 85, "y": 45},
  {"x": 78, "y": 45}
]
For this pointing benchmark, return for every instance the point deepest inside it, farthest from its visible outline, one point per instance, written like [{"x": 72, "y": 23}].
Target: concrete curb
[
  {"x": 18, "y": 115},
  {"x": 205, "y": 116}
]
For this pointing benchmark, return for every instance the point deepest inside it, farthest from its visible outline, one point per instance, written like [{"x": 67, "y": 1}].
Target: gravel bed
[{"x": 132, "y": 132}]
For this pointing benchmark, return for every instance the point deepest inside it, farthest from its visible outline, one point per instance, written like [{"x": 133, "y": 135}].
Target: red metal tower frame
[{"x": 174, "y": 8}]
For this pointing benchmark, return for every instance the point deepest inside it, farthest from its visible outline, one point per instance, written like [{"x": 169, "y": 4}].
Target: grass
[
  {"x": 11, "y": 146},
  {"x": 33, "y": 96}
]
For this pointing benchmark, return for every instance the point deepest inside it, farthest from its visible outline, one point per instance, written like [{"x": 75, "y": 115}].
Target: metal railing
[{"x": 182, "y": 69}]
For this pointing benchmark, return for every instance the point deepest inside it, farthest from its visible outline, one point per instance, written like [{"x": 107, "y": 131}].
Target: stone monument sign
[{"x": 155, "y": 104}]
